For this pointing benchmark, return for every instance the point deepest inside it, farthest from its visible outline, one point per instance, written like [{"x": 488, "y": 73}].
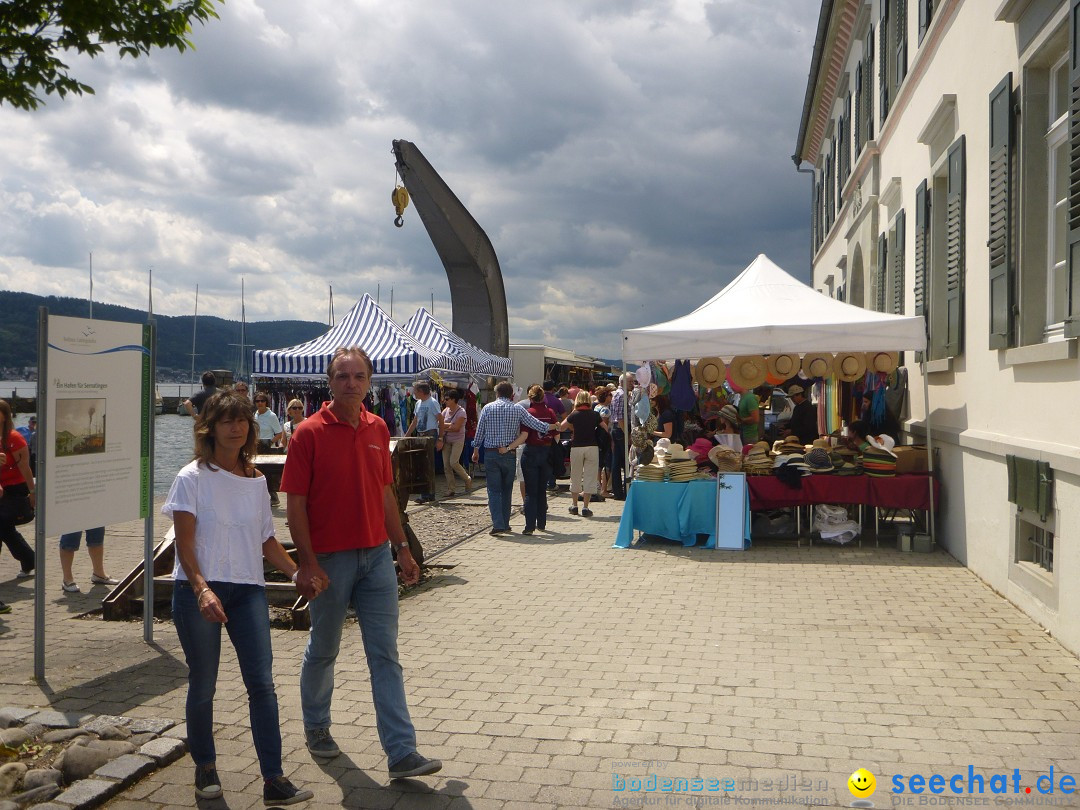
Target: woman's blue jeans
[
  {"x": 248, "y": 627},
  {"x": 536, "y": 469},
  {"x": 366, "y": 579}
]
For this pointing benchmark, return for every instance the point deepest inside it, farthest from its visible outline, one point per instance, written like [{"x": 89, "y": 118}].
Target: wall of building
[{"x": 986, "y": 403}]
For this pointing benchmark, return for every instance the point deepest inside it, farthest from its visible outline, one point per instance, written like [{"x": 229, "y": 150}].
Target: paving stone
[
  {"x": 88, "y": 793},
  {"x": 14, "y": 716},
  {"x": 54, "y": 719},
  {"x": 178, "y": 732},
  {"x": 126, "y": 769},
  {"x": 113, "y": 733},
  {"x": 141, "y": 725},
  {"x": 164, "y": 750},
  {"x": 7, "y": 804}
]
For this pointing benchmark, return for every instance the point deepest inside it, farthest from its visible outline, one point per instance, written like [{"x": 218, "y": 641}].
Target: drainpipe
[{"x": 798, "y": 167}]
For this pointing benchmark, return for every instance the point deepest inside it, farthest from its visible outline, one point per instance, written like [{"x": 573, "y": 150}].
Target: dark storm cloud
[{"x": 625, "y": 158}]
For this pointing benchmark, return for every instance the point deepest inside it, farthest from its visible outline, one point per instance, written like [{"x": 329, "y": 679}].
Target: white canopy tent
[{"x": 766, "y": 310}]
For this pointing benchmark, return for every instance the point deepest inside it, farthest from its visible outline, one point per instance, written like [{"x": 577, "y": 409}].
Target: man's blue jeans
[
  {"x": 366, "y": 579},
  {"x": 501, "y": 469},
  {"x": 248, "y": 627}
]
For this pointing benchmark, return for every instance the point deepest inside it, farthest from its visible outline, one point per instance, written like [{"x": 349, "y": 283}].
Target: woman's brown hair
[
  {"x": 536, "y": 393},
  {"x": 224, "y": 405}
]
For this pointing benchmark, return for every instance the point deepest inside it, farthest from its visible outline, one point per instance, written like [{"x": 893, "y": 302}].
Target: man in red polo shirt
[{"x": 341, "y": 511}]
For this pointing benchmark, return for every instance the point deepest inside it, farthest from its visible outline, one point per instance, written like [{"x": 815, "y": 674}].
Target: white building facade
[{"x": 944, "y": 137}]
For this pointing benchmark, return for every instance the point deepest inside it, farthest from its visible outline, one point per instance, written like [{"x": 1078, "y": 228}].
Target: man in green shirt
[{"x": 750, "y": 413}]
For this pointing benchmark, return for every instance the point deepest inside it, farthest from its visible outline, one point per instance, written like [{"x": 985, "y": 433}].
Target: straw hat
[
  {"x": 730, "y": 413},
  {"x": 849, "y": 366},
  {"x": 726, "y": 459},
  {"x": 748, "y": 370},
  {"x": 709, "y": 371},
  {"x": 817, "y": 364},
  {"x": 784, "y": 366},
  {"x": 676, "y": 452},
  {"x": 882, "y": 362}
]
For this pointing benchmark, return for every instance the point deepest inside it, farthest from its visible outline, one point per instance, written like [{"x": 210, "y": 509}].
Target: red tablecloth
[{"x": 900, "y": 492}]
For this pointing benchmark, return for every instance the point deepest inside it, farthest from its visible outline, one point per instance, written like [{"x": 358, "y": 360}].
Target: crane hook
[{"x": 400, "y": 198}]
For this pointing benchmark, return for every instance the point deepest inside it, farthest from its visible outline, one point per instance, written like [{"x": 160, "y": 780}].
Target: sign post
[{"x": 95, "y": 436}]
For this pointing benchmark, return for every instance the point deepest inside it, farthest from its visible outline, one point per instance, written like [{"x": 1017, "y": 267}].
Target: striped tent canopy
[
  {"x": 427, "y": 330},
  {"x": 392, "y": 350}
]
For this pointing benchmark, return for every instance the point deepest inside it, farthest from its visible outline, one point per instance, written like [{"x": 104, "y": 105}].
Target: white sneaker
[{"x": 71, "y": 587}]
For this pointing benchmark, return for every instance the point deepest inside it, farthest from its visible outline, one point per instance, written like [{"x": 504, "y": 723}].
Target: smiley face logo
[{"x": 862, "y": 783}]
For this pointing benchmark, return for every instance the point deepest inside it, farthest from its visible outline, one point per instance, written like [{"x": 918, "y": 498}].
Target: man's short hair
[
  {"x": 349, "y": 351},
  {"x": 504, "y": 389},
  {"x": 549, "y": 385},
  {"x": 208, "y": 379},
  {"x": 422, "y": 386}
]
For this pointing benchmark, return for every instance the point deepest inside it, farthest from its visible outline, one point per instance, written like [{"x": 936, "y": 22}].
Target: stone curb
[{"x": 169, "y": 744}]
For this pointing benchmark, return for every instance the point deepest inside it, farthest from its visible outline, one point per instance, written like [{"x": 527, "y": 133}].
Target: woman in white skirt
[{"x": 584, "y": 451}]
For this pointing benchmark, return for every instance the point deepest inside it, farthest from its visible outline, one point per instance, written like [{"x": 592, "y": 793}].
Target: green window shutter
[
  {"x": 859, "y": 128},
  {"x": 900, "y": 24},
  {"x": 897, "y": 257},
  {"x": 926, "y": 14},
  {"x": 1072, "y": 282},
  {"x": 846, "y": 135},
  {"x": 1002, "y": 269},
  {"x": 954, "y": 251},
  {"x": 868, "y": 83},
  {"x": 883, "y": 62},
  {"x": 1031, "y": 485},
  {"x": 922, "y": 248},
  {"x": 882, "y": 271}
]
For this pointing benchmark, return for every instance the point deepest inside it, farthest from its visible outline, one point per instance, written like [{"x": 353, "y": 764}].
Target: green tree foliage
[{"x": 35, "y": 33}]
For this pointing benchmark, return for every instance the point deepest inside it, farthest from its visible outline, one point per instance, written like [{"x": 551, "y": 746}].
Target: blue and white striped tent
[
  {"x": 392, "y": 350},
  {"x": 427, "y": 330}
]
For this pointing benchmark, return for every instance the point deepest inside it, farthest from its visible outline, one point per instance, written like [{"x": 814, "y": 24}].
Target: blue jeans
[
  {"x": 618, "y": 453},
  {"x": 501, "y": 469},
  {"x": 249, "y": 630},
  {"x": 94, "y": 537},
  {"x": 366, "y": 579},
  {"x": 536, "y": 467}
]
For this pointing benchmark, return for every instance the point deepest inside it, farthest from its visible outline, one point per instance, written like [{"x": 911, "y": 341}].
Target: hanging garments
[{"x": 682, "y": 387}]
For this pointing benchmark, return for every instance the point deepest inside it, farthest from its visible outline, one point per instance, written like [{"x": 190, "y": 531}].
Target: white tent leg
[{"x": 929, "y": 447}]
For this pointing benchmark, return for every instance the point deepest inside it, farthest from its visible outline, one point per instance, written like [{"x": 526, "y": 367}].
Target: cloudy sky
[{"x": 626, "y": 158}]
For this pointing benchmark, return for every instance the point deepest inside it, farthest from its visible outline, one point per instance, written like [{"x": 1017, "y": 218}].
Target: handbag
[{"x": 17, "y": 509}]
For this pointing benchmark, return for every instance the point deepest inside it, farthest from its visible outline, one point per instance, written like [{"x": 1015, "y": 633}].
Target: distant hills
[{"x": 18, "y": 333}]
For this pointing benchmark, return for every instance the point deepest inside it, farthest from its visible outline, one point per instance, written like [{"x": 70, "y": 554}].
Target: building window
[
  {"x": 1057, "y": 156},
  {"x": 940, "y": 254},
  {"x": 1035, "y": 541},
  {"x": 926, "y": 15}
]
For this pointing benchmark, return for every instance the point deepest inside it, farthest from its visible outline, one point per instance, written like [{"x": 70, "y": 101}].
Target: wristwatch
[{"x": 399, "y": 546}]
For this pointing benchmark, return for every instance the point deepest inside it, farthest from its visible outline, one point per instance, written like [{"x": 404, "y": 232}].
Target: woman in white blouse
[{"x": 221, "y": 515}]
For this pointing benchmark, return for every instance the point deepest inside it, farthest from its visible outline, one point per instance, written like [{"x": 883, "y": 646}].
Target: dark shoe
[
  {"x": 5, "y": 607},
  {"x": 207, "y": 784},
  {"x": 280, "y": 790},
  {"x": 414, "y": 765},
  {"x": 586, "y": 512},
  {"x": 495, "y": 532},
  {"x": 598, "y": 499},
  {"x": 320, "y": 743},
  {"x": 527, "y": 531},
  {"x": 573, "y": 510}
]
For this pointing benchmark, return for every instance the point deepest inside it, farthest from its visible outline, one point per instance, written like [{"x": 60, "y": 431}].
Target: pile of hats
[
  {"x": 791, "y": 461},
  {"x": 879, "y": 460},
  {"x": 846, "y": 461},
  {"x": 650, "y": 472},
  {"x": 790, "y": 444},
  {"x": 726, "y": 459},
  {"x": 682, "y": 470},
  {"x": 819, "y": 461},
  {"x": 758, "y": 461}
]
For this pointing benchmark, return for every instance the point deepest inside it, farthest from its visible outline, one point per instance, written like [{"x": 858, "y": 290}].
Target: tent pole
[
  {"x": 625, "y": 424},
  {"x": 929, "y": 446}
]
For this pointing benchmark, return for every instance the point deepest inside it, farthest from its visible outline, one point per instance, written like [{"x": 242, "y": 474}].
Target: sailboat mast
[
  {"x": 91, "y": 285},
  {"x": 243, "y": 329},
  {"x": 194, "y": 322}
]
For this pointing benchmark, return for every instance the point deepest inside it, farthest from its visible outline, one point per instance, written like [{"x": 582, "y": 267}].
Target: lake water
[
  {"x": 172, "y": 447},
  {"x": 22, "y": 388}
]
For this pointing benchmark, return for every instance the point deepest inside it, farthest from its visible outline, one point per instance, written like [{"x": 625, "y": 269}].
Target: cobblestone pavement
[{"x": 551, "y": 670}]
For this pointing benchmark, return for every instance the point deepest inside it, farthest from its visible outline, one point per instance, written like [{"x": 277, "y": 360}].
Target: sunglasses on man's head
[
  {"x": 297, "y": 408},
  {"x": 262, "y": 400}
]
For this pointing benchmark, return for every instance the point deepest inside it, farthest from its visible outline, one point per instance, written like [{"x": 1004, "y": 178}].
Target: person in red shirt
[
  {"x": 341, "y": 510},
  {"x": 17, "y": 482},
  {"x": 536, "y": 463}
]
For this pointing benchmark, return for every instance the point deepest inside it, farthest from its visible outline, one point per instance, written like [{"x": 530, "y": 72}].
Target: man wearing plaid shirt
[
  {"x": 618, "y": 435},
  {"x": 499, "y": 431}
]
